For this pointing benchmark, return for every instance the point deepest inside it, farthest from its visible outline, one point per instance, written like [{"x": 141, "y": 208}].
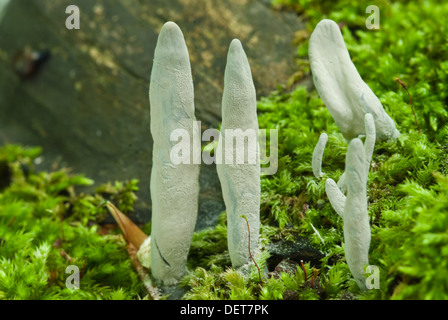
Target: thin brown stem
[
  {"x": 248, "y": 229},
  {"x": 12, "y": 221},
  {"x": 83, "y": 268},
  {"x": 410, "y": 102},
  {"x": 65, "y": 255},
  {"x": 142, "y": 272},
  {"x": 303, "y": 268}
]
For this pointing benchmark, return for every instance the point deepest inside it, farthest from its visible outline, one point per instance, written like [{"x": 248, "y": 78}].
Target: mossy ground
[
  {"x": 42, "y": 214},
  {"x": 47, "y": 225}
]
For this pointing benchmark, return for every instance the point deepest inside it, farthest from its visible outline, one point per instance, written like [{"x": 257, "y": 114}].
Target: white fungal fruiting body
[
  {"x": 356, "y": 218},
  {"x": 369, "y": 146},
  {"x": 335, "y": 192},
  {"x": 318, "y": 154},
  {"x": 240, "y": 179},
  {"x": 341, "y": 88},
  {"x": 336, "y": 197},
  {"x": 369, "y": 143},
  {"x": 174, "y": 187},
  {"x": 144, "y": 253}
]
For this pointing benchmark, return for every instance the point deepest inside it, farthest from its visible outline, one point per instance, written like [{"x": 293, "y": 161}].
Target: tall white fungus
[
  {"x": 174, "y": 187},
  {"x": 356, "y": 218},
  {"x": 239, "y": 172},
  {"x": 341, "y": 88}
]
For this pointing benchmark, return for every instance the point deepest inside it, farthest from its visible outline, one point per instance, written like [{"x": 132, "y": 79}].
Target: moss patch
[{"x": 46, "y": 225}]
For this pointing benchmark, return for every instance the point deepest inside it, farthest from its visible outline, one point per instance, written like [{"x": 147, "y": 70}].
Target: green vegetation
[
  {"x": 46, "y": 225},
  {"x": 45, "y": 221}
]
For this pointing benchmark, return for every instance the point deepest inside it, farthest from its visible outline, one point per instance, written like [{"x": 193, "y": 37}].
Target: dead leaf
[{"x": 131, "y": 232}]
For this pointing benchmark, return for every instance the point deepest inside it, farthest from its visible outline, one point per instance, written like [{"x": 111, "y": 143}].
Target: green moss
[{"x": 45, "y": 226}]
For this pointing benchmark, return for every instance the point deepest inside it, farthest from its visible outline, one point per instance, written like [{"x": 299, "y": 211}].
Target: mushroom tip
[
  {"x": 324, "y": 136},
  {"x": 236, "y": 47},
  {"x": 170, "y": 25},
  {"x": 236, "y": 57},
  {"x": 368, "y": 117},
  {"x": 356, "y": 143},
  {"x": 170, "y": 29},
  {"x": 327, "y": 23},
  {"x": 327, "y": 29},
  {"x": 330, "y": 182},
  {"x": 236, "y": 42}
]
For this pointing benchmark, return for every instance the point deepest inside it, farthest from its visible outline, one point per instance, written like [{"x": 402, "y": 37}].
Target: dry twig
[{"x": 142, "y": 272}]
